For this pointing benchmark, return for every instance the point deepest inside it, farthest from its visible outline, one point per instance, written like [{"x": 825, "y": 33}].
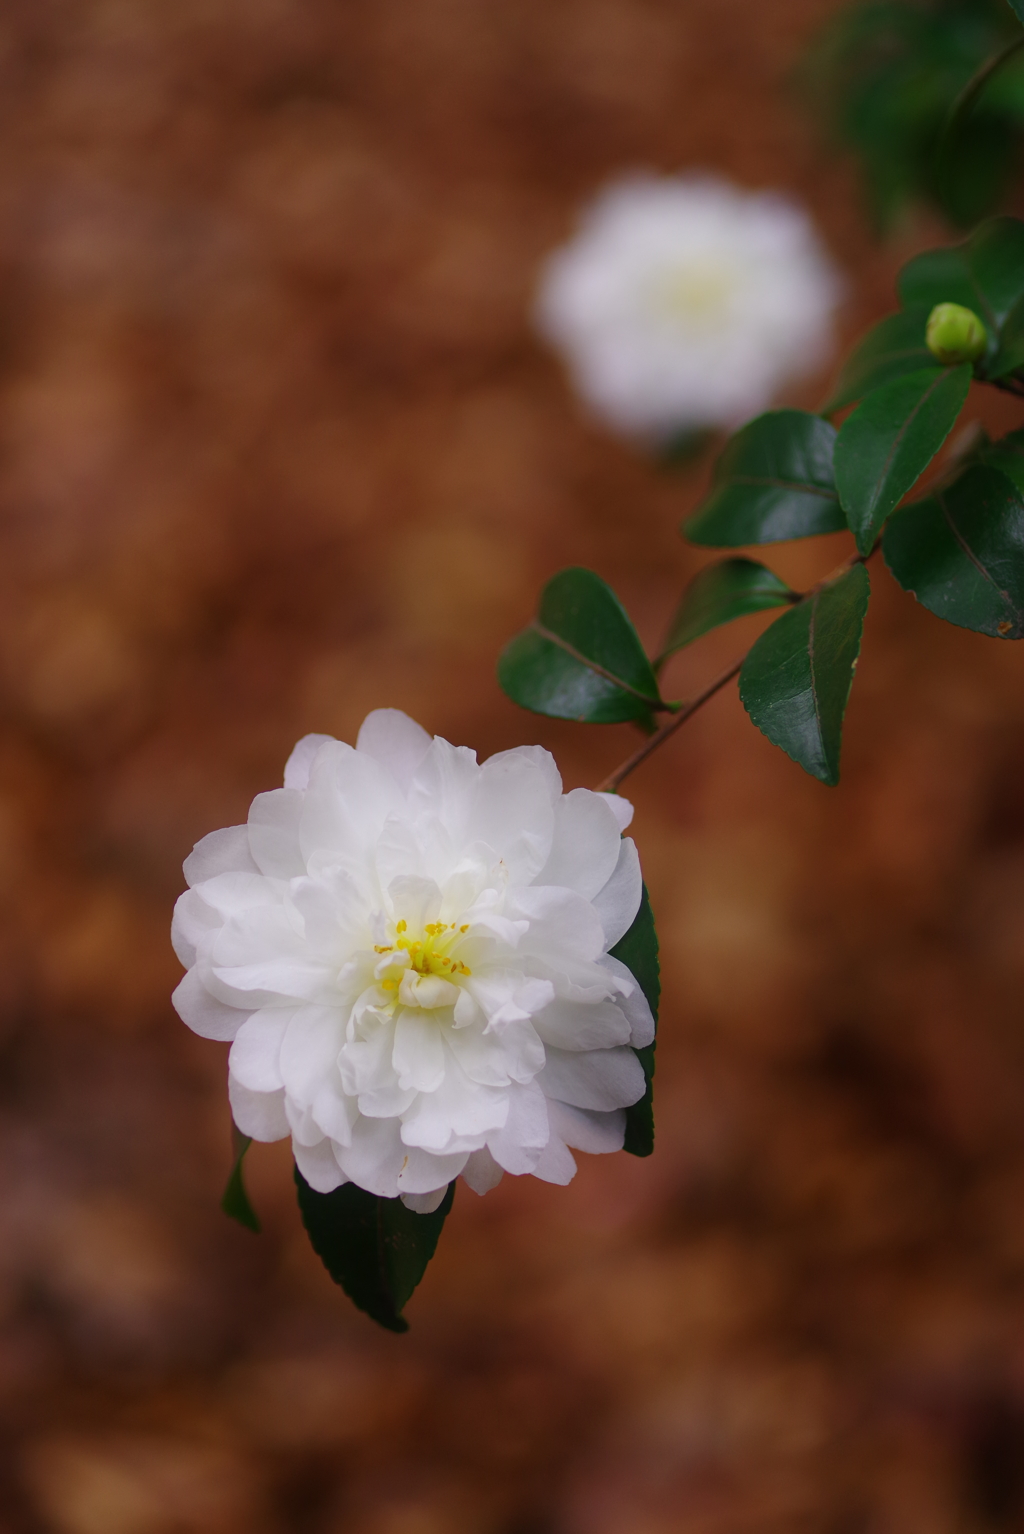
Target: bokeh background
[{"x": 276, "y": 447}]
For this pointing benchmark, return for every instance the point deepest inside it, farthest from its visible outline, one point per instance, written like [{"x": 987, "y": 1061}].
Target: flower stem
[{"x": 609, "y": 784}]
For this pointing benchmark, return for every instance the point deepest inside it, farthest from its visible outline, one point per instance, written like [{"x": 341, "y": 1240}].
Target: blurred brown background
[{"x": 278, "y": 447}]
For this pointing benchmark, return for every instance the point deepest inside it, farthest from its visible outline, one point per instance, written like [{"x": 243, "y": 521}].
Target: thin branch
[
  {"x": 609, "y": 784},
  {"x": 612, "y": 781}
]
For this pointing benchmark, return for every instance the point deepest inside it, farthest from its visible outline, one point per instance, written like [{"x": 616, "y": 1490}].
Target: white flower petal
[
  {"x": 562, "y": 924},
  {"x": 483, "y": 1056},
  {"x": 310, "y": 1047},
  {"x": 259, "y": 1114},
  {"x": 596, "y": 1133},
  {"x": 375, "y": 1157},
  {"x": 396, "y": 742},
  {"x": 425, "y": 1203},
  {"x": 274, "y": 833},
  {"x": 333, "y": 913},
  {"x": 588, "y": 1025},
  {"x": 482, "y": 1172},
  {"x": 457, "y": 1116},
  {"x": 425, "y": 1173},
  {"x": 348, "y": 800},
  {"x": 414, "y": 900},
  {"x": 632, "y": 1001},
  {"x": 296, "y": 770},
  {"x": 556, "y": 1163},
  {"x": 621, "y": 809},
  {"x": 255, "y": 1056},
  {"x": 235, "y": 895},
  {"x": 205, "y": 1014},
  {"x": 543, "y": 761},
  {"x": 288, "y": 979},
  {"x": 586, "y": 843},
  {"x": 445, "y": 785},
  {"x": 513, "y": 813},
  {"x": 597, "y": 1078},
  {"x": 319, "y": 1166},
  {"x": 517, "y": 1145},
  {"x": 221, "y": 852},
  {"x": 619, "y": 901},
  {"x": 418, "y": 1054},
  {"x": 192, "y": 924},
  {"x": 334, "y": 1112}
]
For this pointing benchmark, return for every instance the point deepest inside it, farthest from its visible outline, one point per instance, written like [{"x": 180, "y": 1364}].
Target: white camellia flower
[
  {"x": 683, "y": 302},
  {"x": 409, "y": 950}
]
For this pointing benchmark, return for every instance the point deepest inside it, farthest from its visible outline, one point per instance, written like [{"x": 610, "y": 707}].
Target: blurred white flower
[
  {"x": 410, "y": 952},
  {"x": 683, "y": 302}
]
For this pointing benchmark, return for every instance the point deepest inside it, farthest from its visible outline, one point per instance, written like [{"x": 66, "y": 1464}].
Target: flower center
[
  {"x": 428, "y": 954},
  {"x": 697, "y": 293}
]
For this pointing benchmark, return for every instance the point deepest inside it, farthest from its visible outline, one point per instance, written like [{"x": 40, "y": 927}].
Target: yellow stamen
[
  {"x": 382, "y": 948},
  {"x": 402, "y": 927}
]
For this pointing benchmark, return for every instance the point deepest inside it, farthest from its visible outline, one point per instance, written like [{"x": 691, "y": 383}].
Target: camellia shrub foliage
[
  {"x": 929, "y": 96},
  {"x": 432, "y": 968}
]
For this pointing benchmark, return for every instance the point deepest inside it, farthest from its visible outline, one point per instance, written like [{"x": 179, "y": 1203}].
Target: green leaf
[
  {"x": 581, "y": 657},
  {"x": 796, "y": 681},
  {"x": 638, "y": 951},
  {"x": 1010, "y": 355},
  {"x": 773, "y": 481},
  {"x": 961, "y": 552},
  {"x": 720, "y": 593},
  {"x": 1017, "y": 7},
  {"x": 985, "y": 274},
  {"x": 890, "y": 349},
  {"x": 890, "y": 439},
  {"x": 1007, "y": 454},
  {"x": 235, "y": 1202},
  {"x": 375, "y": 1248}
]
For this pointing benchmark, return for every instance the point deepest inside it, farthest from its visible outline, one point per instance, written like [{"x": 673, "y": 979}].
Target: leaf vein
[
  {"x": 783, "y": 484},
  {"x": 898, "y": 439},
  {"x": 592, "y": 665},
  {"x": 977, "y": 562}
]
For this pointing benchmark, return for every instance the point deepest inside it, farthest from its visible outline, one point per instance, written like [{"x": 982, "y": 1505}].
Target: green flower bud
[{"x": 955, "y": 334}]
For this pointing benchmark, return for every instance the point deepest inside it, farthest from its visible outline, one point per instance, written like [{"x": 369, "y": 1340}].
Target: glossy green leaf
[
  {"x": 1010, "y": 355},
  {"x": 890, "y": 439},
  {"x": 985, "y": 274},
  {"x": 720, "y": 593},
  {"x": 638, "y": 951},
  {"x": 235, "y": 1202},
  {"x": 796, "y": 681},
  {"x": 961, "y": 552},
  {"x": 772, "y": 481},
  {"x": 1006, "y": 454},
  {"x": 1017, "y": 7},
  {"x": 375, "y": 1248},
  {"x": 890, "y": 349},
  {"x": 580, "y": 658}
]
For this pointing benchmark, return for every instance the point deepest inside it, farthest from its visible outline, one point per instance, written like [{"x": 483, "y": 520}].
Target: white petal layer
[
  {"x": 619, "y": 901},
  {"x": 203, "y": 1013},
  {"x": 597, "y": 1078},
  {"x": 396, "y": 742},
  {"x": 259, "y": 1114}
]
